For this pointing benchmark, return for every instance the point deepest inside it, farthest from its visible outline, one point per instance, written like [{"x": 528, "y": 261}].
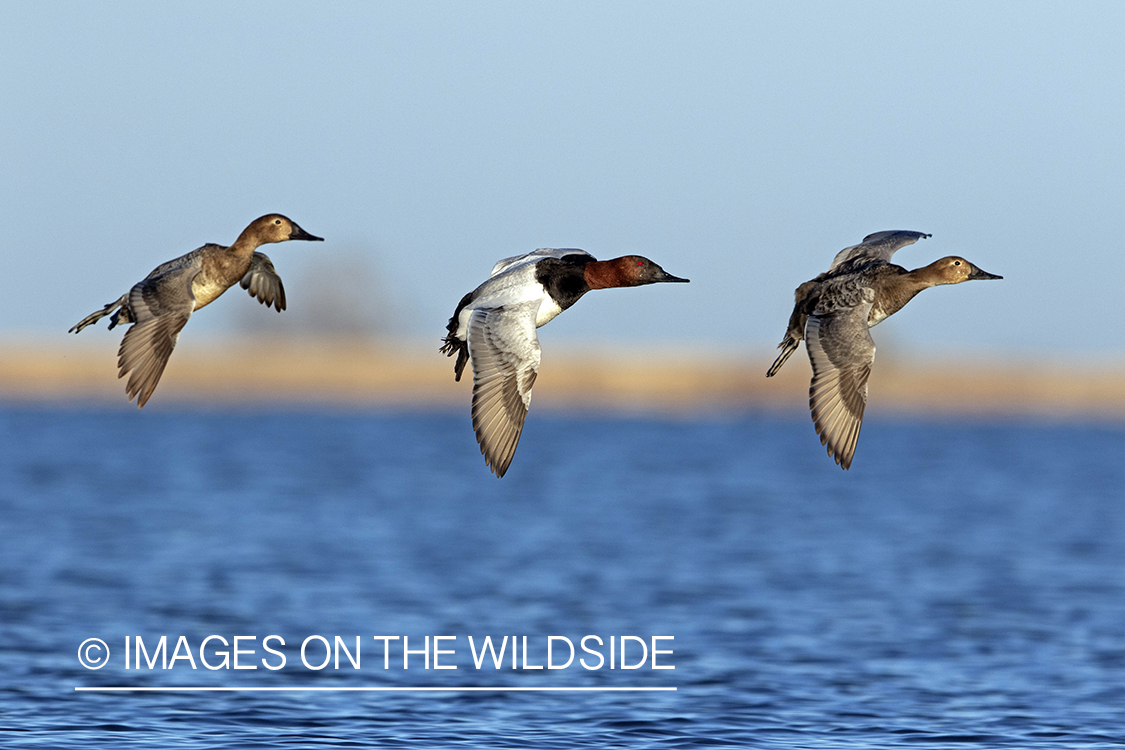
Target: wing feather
[
  {"x": 505, "y": 353},
  {"x": 506, "y": 264},
  {"x": 161, "y": 306},
  {"x": 877, "y": 246},
  {"x": 262, "y": 281},
  {"x": 841, "y": 351}
]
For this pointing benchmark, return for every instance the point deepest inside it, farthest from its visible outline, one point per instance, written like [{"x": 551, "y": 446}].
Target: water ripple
[{"x": 963, "y": 586}]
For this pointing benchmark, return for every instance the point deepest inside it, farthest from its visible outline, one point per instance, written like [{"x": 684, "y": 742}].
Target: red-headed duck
[
  {"x": 160, "y": 305},
  {"x": 833, "y": 313},
  {"x": 495, "y": 324}
]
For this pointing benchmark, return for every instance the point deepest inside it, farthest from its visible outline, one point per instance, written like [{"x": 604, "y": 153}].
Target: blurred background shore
[{"x": 343, "y": 371}]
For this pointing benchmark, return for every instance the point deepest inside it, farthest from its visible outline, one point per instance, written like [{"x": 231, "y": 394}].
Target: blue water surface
[{"x": 962, "y": 586}]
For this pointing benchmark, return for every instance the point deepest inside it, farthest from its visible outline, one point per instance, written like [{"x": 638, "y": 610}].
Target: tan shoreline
[{"x": 364, "y": 373}]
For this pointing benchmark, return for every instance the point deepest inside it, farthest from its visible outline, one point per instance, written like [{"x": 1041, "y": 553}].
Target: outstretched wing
[
  {"x": 262, "y": 281},
  {"x": 505, "y": 355},
  {"x": 543, "y": 252},
  {"x": 841, "y": 351},
  {"x": 878, "y": 246},
  {"x": 161, "y": 306}
]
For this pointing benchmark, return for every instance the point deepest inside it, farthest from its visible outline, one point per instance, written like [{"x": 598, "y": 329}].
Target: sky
[{"x": 738, "y": 144}]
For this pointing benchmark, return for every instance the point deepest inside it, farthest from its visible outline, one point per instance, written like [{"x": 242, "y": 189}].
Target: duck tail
[
  {"x": 94, "y": 317},
  {"x": 452, "y": 345},
  {"x": 787, "y": 347}
]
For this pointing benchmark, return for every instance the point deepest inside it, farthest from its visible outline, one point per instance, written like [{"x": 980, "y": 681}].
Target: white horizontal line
[{"x": 502, "y": 689}]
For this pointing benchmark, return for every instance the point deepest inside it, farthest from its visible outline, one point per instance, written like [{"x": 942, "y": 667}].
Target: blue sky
[{"x": 738, "y": 144}]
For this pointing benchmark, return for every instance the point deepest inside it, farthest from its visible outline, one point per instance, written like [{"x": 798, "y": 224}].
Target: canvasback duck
[
  {"x": 160, "y": 305},
  {"x": 495, "y": 324},
  {"x": 833, "y": 313}
]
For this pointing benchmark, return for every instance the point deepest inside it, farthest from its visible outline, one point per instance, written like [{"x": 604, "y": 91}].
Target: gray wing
[
  {"x": 841, "y": 351},
  {"x": 878, "y": 246},
  {"x": 543, "y": 252},
  {"x": 505, "y": 355},
  {"x": 262, "y": 281},
  {"x": 194, "y": 259},
  {"x": 161, "y": 306}
]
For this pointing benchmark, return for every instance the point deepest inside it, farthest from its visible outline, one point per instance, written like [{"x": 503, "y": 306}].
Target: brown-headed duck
[
  {"x": 495, "y": 324},
  {"x": 160, "y": 305},
  {"x": 833, "y": 313}
]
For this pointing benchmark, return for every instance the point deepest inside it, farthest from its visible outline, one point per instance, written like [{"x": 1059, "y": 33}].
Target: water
[{"x": 962, "y": 586}]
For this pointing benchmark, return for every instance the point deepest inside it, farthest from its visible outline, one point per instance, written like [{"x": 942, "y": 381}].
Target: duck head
[
  {"x": 628, "y": 270},
  {"x": 954, "y": 269},
  {"x": 276, "y": 228}
]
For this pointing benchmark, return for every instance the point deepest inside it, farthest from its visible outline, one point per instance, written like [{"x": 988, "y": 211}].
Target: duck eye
[
  {"x": 640, "y": 263},
  {"x": 956, "y": 262},
  {"x": 277, "y": 221}
]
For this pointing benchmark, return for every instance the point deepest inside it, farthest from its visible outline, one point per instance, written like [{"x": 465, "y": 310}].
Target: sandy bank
[{"x": 366, "y": 373}]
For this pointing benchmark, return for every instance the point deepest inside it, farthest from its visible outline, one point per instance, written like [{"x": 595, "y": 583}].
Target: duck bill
[
  {"x": 301, "y": 234},
  {"x": 669, "y": 277},
  {"x": 979, "y": 274}
]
